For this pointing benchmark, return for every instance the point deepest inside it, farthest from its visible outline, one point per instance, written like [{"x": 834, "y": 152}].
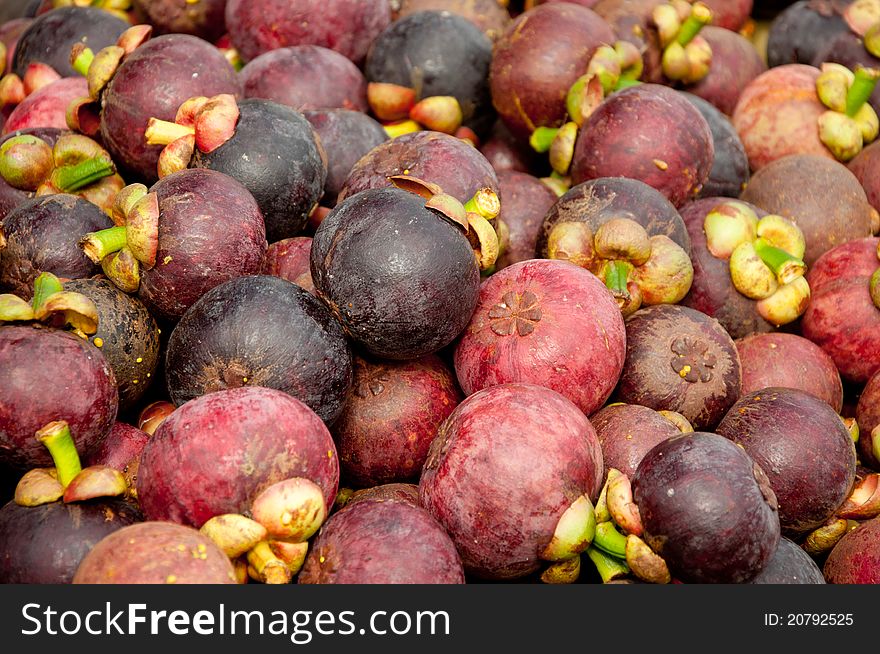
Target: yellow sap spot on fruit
[
  {"x": 329, "y": 454},
  {"x": 406, "y": 171},
  {"x": 99, "y": 342},
  {"x": 167, "y": 260},
  {"x": 171, "y": 579},
  {"x": 244, "y": 380},
  {"x": 772, "y": 346},
  {"x": 684, "y": 372},
  {"x": 148, "y": 374},
  {"x": 202, "y": 548},
  {"x": 662, "y": 165},
  {"x": 321, "y": 559},
  {"x": 134, "y": 381},
  {"x": 286, "y": 518},
  {"x": 139, "y": 360},
  {"x": 181, "y": 548}
]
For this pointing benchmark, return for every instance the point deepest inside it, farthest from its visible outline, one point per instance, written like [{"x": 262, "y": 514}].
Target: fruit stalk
[
  {"x": 57, "y": 439},
  {"x": 785, "y": 266},
  {"x": 609, "y": 568},
  {"x": 98, "y": 245},
  {"x": 69, "y": 179},
  {"x": 861, "y": 89}
]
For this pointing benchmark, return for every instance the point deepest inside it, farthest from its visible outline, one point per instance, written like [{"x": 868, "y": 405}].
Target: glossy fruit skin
[
  {"x": 627, "y": 432},
  {"x": 153, "y": 82},
  {"x": 841, "y": 318},
  {"x": 705, "y": 509},
  {"x": 505, "y": 466},
  {"x": 73, "y": 382},
  {"x": 868, "y": 417},
  {"x": 382, "y": 542},
  {"x": 260, "y": 331},
  {"x": 537, "y": 59},
  {"x": 46, "y": 107},
  {"x": 649, "y": 133},
  {"x": 290, "y": 259},
  {"x": 548, "y": 323},
  {"x": 526, "y": 201},
  {"x": 346, "y": 136},
  {"x": 204, "y": 18},
  {"x": 155, "y": 553},
  {"x": 730, "y": 168},
  {"x": 391, "y": 417},
  {"x": 712, "y": 291},
  {"x": 306, "y": 77},
  {"x": 450, "y": 163},
  {"x": 797, "y": 188},
  {"x": 274, "y": 154},
  {"x": 121, "y": 449},
  {"x": 856, "y": 558},
  {"x": 213, "y": 455},
  {"x": 437, "y": 53},
  {"x": 42, "y": 235},
  {"x": 790, "y": 361},
  {"x": 45, "y": 544},
  {"x": 202, "y": 244},
  {"x": 401, "y": 278},
  {"x": 802, "y": 445},
  {"x": 51, "y": 36},
  {"x": 790, "y": 564},
  {"x": 128, "y": 337},
  {"x": 347, "y": 26}
]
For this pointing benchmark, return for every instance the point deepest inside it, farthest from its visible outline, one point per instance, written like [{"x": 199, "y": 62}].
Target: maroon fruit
[
  {"x": 538, "y": 58},
  {"x": 868, "y": 417},
  {"x": 802, "y": 445},
  {"x": 627, "y": 432},
  {"x": 856, "y": 558},
  {"x": 679, "y": 359},
  {"x": 382, "y": 542},
  {"x": 450, "y": 163},
  {"x": 821, "y": 196},
  {"x": 347, "y": 26},
  {"x": 306, "y": 77},
  {"x": 127, "y": 335},
  {"x": 841, "y": 318},
  {"x": 398, "y": 492},
  {"x": 505, "y": 466},
  {"x": 260, "y": 331},
  {"x": 391, "y": 418},
  {"x": 864, "y": 167},
  {"x": 73, "y": 382},
  {"x": 289, "y": 259},
  {"x": 155, "y": 553},
  {"x": 121, "y": 449},
  {"x": 46, "y": 107},
  {"x": 526, "y": 201},
  {"x": 204, "y": 18},
  {"x": 401, "y": 278},
  {"x": 346, "y": 137},
  {"x": 789, "y": 361},
  {"x": 215, "y": 454},
  {"x": 712, "y": 291},
  {"x": 821, "y": 19},
  {"x": 183, "y": 67},
  {"x": 649, "y": 133},
  {"x": 45, "y": 544},
  {"x": 790, "y": 565},
  {"x": 707, "y": 509},
  {"x": 489, "y": 15},
  {"x": 41, "y": 236},
  {"x": 730, "y": 14},
  {"x": 504, "y": 152},
  {"x": 544, "y": 322}
]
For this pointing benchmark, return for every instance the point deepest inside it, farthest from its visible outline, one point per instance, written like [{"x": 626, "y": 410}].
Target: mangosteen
[
  {"x": 260, "y": 331},
  {"x": 856, "y": 557},
  {"x": 707, "y": 509},
  {"x": 548, "y": 323},
  {"x": 267, "y": 147},
  {"x": 382, "y": 541},
  {"x": 204, "y": 18},
  {"x": 41, "y": 236},
  {"x": 820, "y": 19},
  {"x": 216, "y": 453},
  {"x": 868, "y": 416},
  {"x": 489, "y": 15},
  {"x": 790, "y": 565},
  {"x": 511, "y": 476},
  {"x": 399, "y": 492},
  {"x": 864, "y": 167},
  {"x": 526, "y": 201},
  {"x": 679, "y": 359},
  {"x": 627, "y": 432},
  {"x": 46, "y": 107},
  {"x": 290, "y": 259}
]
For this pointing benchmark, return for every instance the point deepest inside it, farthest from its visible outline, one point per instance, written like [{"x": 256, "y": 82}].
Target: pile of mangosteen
[{"x": 439, "y": 291}]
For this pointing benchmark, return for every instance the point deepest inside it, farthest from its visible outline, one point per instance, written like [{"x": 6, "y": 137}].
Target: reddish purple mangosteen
[
  {"x": 290, "y": 259},
  {"x": 856, "y": 558},
  {"x": 526, "y": 201},
  {"x": 868, "y": 417},
  {"x": 790, "y": 565},
  {"x": 204, "y": 18},
  {"x": 47, "y": 107},
  {"x": 627, "y": 432}
]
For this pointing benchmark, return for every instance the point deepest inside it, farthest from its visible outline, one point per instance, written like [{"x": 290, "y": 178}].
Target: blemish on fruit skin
[
  {"x": 99, "y": 342},
  {"x": 171, "y": 579}
]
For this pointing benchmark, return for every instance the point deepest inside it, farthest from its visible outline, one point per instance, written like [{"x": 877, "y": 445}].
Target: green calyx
[{"x": 542, "y": 138}]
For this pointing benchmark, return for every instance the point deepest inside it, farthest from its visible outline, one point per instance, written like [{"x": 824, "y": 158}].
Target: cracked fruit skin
[
  {"x": 401, "y": 278},
  {"x": 155, "y": 553},
  {"x": 802, "y": 445},
  {"x": 790, "y": 564},
  {"x": 841, "y": 318},
  {"x": 649, "y": 133},
  {"x": 678, "y": 359},
  {"x": 705, "y": 511},
  {"x": 856, "y": 557},
  {"x": 72, "y": 382},
  {"x": 216, "y": 453},
  {"x": 382, "y": 541},
  {"x": 505, "y": 466},
  {"x": 45, "y": 544},
  {"x": 544, "y": 322},
  {"x": 260, "y": 331}
]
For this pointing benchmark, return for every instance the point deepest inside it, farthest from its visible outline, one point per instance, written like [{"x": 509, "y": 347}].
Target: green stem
[
  {"x": 45, "y": 285},
  {"x": 98, "y": 245},
  {"x": 617, "y": 276},
  {"x": 699, "y": 18},
  {"x": 609, "y": 568},
  {"x": 485, "y": 203},
  {"x": 69, "y": 179},
  {"x": 625, "y": 83},
  {"x": 785, "y": 266},
  {"x": 82, "y": 61},
  {"x": 861, "y": 89},
  {"x": 57, "y": 439},
  {"x": 542, "y": 138},
  {"x": 609, "y": 540}
]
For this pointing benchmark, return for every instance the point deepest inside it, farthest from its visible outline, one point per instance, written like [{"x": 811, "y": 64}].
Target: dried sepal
[
  {"x": 290, "y": 510},
  {"x": 863, "y": 502},
  {"x": 563, "y": 572},
  {"x": 439, "y": 113},
  {"x": 142, "y": 229},
  {"x": 103, "y": 68},
  {"x": 562, "y": 148},
  {"x": 38, "y": 486},
  {"x": 125, "y": 200},
  {"x": 215, "y": 122},
  {"x": 14, "y": 309},
  {"x": 450, "y": 208},
  {"x": 621, "y": 505},
  {"x": 84, "y": 115},
  {"x": 644, "y": 563},
  {"x": 415, "y": 185},
  {"x": 484, "y": 240},
  {"x": 824, "y": 538},
  {"x": 134, "y": 37},
  {"x": 265, "y": 567}
]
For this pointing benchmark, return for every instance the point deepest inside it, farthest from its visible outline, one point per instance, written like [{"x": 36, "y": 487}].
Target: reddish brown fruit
[
  {"x": 627, "y": 432},
  {"x": 289, "y": 259},
  {"x": 526, "y": 201},
  {"x": 856, "y": 558},
  {"x": 868, "y": 415}
]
